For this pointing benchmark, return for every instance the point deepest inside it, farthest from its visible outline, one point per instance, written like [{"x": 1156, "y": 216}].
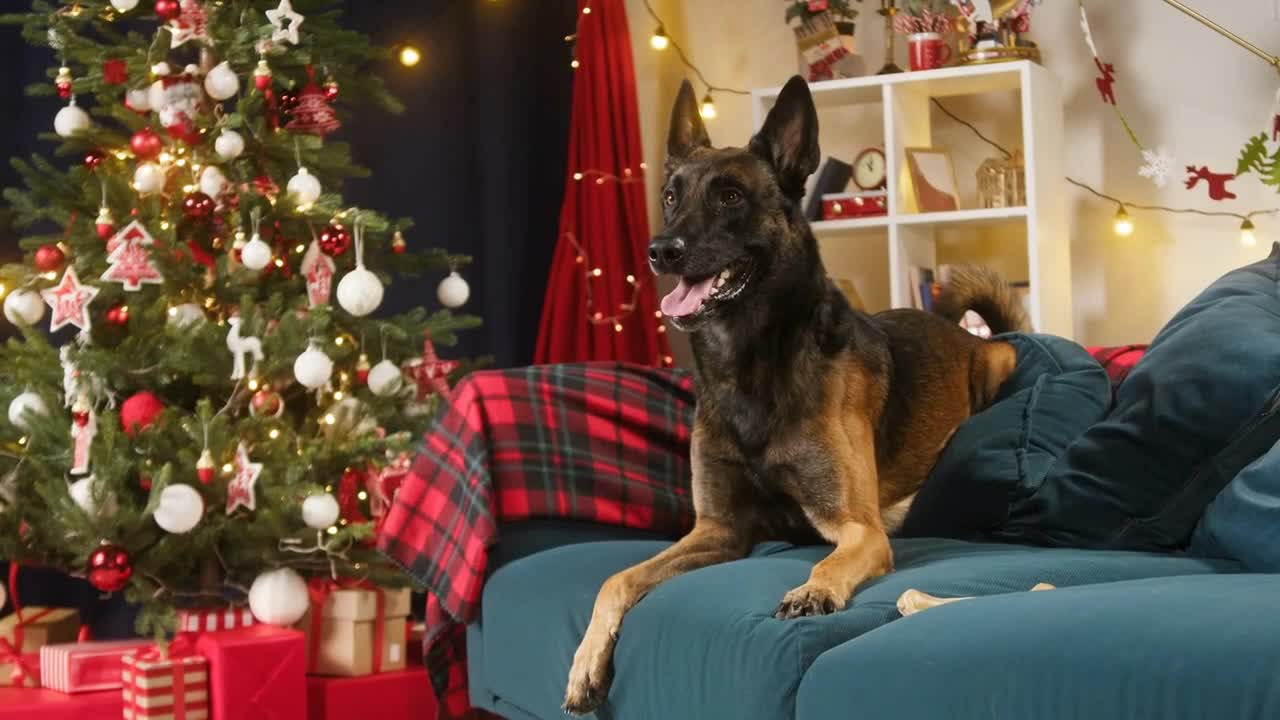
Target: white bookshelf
[{"x": 1028, "y": 244}]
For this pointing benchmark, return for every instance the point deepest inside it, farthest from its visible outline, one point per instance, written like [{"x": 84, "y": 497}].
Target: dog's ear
[
  {"x": 789, "y": 138},
  {"x": 687, "y": 132}
]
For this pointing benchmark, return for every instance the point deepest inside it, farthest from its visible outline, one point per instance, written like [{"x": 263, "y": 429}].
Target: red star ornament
[
  {"x": 318, "y": 269},
  {"x": 69, "y": 301},
  {"x": 429, "y": 372},
  {"x": 240, "y": 491},
  {"x": 130, "y": 259}
]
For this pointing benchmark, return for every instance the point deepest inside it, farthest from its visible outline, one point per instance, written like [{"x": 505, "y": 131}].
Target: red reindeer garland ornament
[{"x": 1217, "y": 182}]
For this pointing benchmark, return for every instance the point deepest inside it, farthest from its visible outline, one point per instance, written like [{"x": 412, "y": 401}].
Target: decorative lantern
[{"x": 1002, "y": 182}]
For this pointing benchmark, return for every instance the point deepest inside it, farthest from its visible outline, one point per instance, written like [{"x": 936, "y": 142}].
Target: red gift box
[
  {"x": 256, "y": 673},
  {"x": 24, "y": 704},
  {"x": 85, "y": 667},
  {"x": 399, "y": 695},
  {"x": 857, "y": 204},
  {"x": 158, "y": 687},
  {"x": 214, "y": 619}
]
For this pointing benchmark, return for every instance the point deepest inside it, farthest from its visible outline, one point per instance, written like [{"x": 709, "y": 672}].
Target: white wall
[{"x": 1180, "y": 84}]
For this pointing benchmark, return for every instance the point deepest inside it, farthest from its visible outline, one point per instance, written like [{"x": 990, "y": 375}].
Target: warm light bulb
[
  {"x": 273, "y": 434},
  {"x": 659, "y": 39},
  {"x": 333, "y": 530},
  {"x": 586, "y": 10},
  {"x": 1123, "y": 225},
  {"x": 227, "y": 468},
  {"x": 253, "y": 383},
  {"x": 1247, "y": 238},
  {"x": 574, "y": 63},
  {"x": 708, "y": 110},
  {"x": 338, "y": 340},
  {"x": 410, "y": 56},
  {"x": 300, "y": 249},
  {"x": 577, "y": 176},
  {"x": 330, "y": 419},
  {"x": 362, "y": 495}
]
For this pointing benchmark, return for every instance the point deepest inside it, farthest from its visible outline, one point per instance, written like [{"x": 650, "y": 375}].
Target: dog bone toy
[{"x": 913, "y": 601}]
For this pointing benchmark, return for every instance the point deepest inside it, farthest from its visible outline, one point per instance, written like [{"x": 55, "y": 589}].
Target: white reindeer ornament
[{"x": 239, "y": 346}]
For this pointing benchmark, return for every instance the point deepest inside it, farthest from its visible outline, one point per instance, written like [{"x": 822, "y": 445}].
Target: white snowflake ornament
[{"x": 1157, "y": 166}]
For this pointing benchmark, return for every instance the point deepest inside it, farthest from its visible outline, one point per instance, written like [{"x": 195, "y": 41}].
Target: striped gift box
[
  {"x": 214, "y": 619},
  {"x": 85, "y": 667},
  {"x": 165, "y": 689}
]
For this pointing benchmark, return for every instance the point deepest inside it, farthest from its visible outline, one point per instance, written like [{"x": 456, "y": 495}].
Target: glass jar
[{"x": 1002, "y": 182}]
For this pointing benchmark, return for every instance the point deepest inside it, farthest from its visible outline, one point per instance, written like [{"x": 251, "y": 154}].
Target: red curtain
[{"x": 592, "y": 310}]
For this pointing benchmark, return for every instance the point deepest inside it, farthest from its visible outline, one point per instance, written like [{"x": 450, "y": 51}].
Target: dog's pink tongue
[{"x": 686, "y": 298}]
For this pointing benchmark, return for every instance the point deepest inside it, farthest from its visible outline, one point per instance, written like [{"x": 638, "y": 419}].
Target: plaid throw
[{"x": 603, "y": 442}]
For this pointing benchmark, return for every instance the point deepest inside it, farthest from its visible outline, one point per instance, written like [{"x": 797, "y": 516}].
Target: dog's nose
[{"x": 664, "y": 252}]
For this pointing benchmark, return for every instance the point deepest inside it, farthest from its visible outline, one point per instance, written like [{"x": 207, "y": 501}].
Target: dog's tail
[{"x": 982, "y": 290}]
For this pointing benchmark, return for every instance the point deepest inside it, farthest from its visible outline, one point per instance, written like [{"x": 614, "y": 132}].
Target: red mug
[{"x": 926, "y": 51}]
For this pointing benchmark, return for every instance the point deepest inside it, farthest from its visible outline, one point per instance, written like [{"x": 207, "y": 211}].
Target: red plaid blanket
[{"x": 605, "y": 442}]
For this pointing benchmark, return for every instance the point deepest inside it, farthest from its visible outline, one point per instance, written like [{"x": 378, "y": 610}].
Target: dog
[{"x": 814, "y": 422}]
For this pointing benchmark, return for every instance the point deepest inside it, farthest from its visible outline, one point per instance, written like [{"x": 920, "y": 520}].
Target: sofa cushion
[
  {"x": 1000, "y": 455},
  {"x": 1243, "y": 522},
  {"x": 1182, "y": 648},
  {"x": 1187, "y": 420},
  {"x": 706, "y": 644}
]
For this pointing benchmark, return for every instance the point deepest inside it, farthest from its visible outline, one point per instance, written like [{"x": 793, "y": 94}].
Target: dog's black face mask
[{"x": 731, "y": 216}]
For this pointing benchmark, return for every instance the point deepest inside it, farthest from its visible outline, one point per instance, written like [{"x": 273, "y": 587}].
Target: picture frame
[{"x": 933, "y": 179}]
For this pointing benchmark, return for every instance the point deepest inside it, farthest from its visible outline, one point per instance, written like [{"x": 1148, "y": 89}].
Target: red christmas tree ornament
[
  {"x": 63, "y": 82},
  {"x": 334, "y": 240},
  {"x": 262, "y": 76},
  {"x": 313, "y": 116},
  {"x": 205, "y": 468},
  {"x": 168, "y": 9},
  {"x": 198, "y": 206},
  {"x": 139, "y": 412},
  {"x": 49, "y": 258},
  {"x": 115, "y": 71},
  {"x": 93, "y": 159},
  {"x": 105, "y": 224},
  {"x": 118, "y": 315},
  {"x": 145, "y": 144},
  {"x": 110, "y": 567}
]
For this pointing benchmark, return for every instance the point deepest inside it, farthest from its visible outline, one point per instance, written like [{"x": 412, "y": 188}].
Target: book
[{"x": 833, "y": 177}]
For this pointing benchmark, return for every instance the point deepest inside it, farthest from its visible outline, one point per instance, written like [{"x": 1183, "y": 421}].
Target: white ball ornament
[
  {"x": 222, "y": 82},
  {"x": 70, "y": 120},
  {"x": 82, "y": 493},
  {"x": 360, "y": 292},
  {"x": 27, "y": 402},
  {"x": 185, "y": 315},
  {"x": 24, "y": 307},
  {"x": 256, "y": 254},
  {"x": 180, "y": 509},
  {"x": 124, "y": 6},
  {"x": 320, "y": 511},
  {"x": 453, "y": 291},
  {"x": 385, "y": 379},
  {"x": 303, "y": 188},
  {"x": 148, "y": 179},
  {"x": 138, "y": 99},
  {"x": 313, "y": 368},
  {"x": 279, "y": 597},
  {"x": 212, "y": 181},
  {"x": 229, "y": 145},
  {"x": 155, "y": 92}
]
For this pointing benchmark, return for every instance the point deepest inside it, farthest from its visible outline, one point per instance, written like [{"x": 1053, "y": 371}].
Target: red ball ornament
[
  {"x": 93, "y": 159},
  {"x": 168, "y": 9},
  {"x": 334, "y": 240},
  {"x": 266, "y": 403},
  {"x": 144, "y": 482},
  {"x": 110, "y": 567},
  {"x": 50, "y": 258},
  {"x": 139, "y": 412},
  {"x": 118, "y": 315},
  {"x": 145, "y": 144},
  {"x": 198, "y": 206},
  {"x": 331, "y": 90}
]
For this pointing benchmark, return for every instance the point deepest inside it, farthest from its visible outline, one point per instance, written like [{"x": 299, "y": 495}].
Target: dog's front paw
[
  {"x": 589, "y": 678},
  {"x": 807, "y": 600}
]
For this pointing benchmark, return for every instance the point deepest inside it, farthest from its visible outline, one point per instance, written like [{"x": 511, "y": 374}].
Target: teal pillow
[
  {"x": 1243, "y": 522},
  {"x": 1197, "y": 408},
  {"x": 999, "y": 456}
]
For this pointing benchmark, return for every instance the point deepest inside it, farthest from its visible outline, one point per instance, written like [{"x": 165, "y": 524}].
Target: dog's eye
[
  {"x": 730, "y": 197},
  {"x": 669, "y": 198}
]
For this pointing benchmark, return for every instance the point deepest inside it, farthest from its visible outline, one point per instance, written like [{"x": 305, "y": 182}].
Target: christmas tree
[{"x": 202, "y": 402}]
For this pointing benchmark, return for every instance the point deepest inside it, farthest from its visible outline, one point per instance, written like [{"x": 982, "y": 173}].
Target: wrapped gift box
[
  {"x": 29, "y": 677},
  {"x": 214, "y": 619},
  {"x": 258, "y": 673},
  {"x": 836, "y": 206},
  {"x": 400, "y": 695},
  {"x": 354, "y": 636},
  {"x": 25, "y": 704},
  {"x": 85, "y": 667},
  {"x": 40, "y": 626},
  {"x": 165, "y": 688}
]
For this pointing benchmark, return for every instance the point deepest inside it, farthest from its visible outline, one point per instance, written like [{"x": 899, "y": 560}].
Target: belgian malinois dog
[{"x": 814, "y": 422}]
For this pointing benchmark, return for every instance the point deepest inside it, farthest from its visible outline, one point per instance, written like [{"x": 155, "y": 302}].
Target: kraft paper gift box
[
  {"x": 349, "y": 638},
  {"x": 21, "y": 640}
]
